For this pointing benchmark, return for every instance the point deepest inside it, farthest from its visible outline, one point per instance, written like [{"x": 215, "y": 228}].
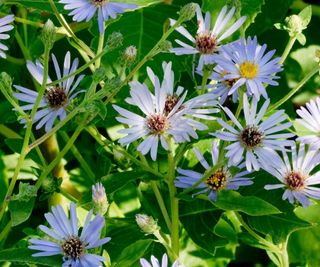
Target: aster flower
[
  {"x": 57, "y": 98},
  {"x": 85, "y": 10},
  {"x": 310, "y": 118},
  {"x": 296, "y": 176},
  {"x": 246, "y": 64},
  {"x": 5, "y": 27},
  {"x": 165, "y": 113},
  {"x": 208, "y": 39},
  {"x": 257, "y": 137},
  {"x": 67, "y": 241},
  {"x": 155, "y": 262},
  {"x": 217, "y": 180}
]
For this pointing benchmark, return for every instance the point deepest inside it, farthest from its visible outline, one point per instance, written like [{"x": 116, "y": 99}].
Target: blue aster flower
[
  {"x": 67, "y": 241},
  {"x": 85, "y": 10},
  {"x": 155, "y": 262},
  {"x": 5, "y": 27},
  {"x": 57, "y": 98},
  {"x": 298, "y": 178},
  {"x": 219, "y": 179},
  {"x": 245, "y": 63}
]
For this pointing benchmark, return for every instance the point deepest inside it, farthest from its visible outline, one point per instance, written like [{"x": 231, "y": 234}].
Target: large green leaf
[
  {"x": 115, "y": 181},
  {"x": 133, "y": 253},
  {"x": 231, "y": 200},
  {"x": 200, "y": 228},
  {"x": 278, "y": 226},
  {"x": 23, "y": 256},
  {"x": 20, "y": 210}
]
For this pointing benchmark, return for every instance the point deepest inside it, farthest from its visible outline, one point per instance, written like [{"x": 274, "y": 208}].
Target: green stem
[
  {"x": 105, "y": 142},
  {"x": 5, "y": 230},
  {"x": 63, "y": 22},
  {"x": 17, "y": 61},
  {"x": 271, "y": 247},
  {"x": 294, "y": 90},
  {"x": 288, "y": 48},
  {"x": 284, "y": 254},
  {"x": 79, "y": 157},
  {"x": 53, "y": 130},
  {"x": 205, "y": 77},
  {"x": 8, "y": 133},
  {"x": 81, "y": 69},
  {"x": 174, "y": 202},
  {"x": 100, "y": 48},
  {"x": 23, "y": 48},
  {"x": 161, "y": 204},
  {"x": 24, "y": 149},
  {"x": 57, "y": 159}
]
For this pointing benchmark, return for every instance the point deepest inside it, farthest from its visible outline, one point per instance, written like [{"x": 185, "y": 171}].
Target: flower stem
[
  {"x": 100, "y": 48},
  {"x": 205, "y": 77},
  {"x": 161, "y": 204},
  {"x": 288, "y": 48},
  {"x": 174, "y": 202},
  {"x": 294, "y": 90},
  {"x": 24, "y": 149}
]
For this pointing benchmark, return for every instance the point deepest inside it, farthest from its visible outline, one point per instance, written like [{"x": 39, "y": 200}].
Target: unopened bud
[
  {"x": 6, "y": 82},
  {"x": 99, "y": 74},
  {"x": 147, "y": 224},
  {"x": 48, "y": 35},
  {"x": 188, "y": 11},
  {"x": 130, "y": 54},
  {"x": 99, "y": 199},
  {"x": 114, "y": 41},
  {"x": 295, "y": 24},
  {"x": 165, "y": 46}
]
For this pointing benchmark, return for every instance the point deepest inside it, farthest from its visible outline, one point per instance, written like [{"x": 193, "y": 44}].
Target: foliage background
[{"x": 211, "y": 236}]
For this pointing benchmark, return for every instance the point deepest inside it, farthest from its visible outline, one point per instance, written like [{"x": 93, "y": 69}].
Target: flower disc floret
[
  {"x": 56, "y": 97},
  {"x": 217, "y": 180},
  {"x": 157, "y": 123},
  {"x": 251, "y": 136},
  {"x": 295, "y": 180},
  {"x": 206, "y": 43},
  {"x": 73, "y": 248},
  {"x": 248, "y": 70}
]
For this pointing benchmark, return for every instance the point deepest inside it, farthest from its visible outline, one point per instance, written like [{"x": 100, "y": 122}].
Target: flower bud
[
  {"x": 99, "y": 74},
  {"x": 6, "y": 82},
  {"x": 129, "y": 55},
  {"x": 147, "y": 224},
  {"x": 295, "y": 24},
  {"x": 99, "y": 199},
  {"x": 48, "y": 35},
  {"x": 188, "y": 11},
  {"x": 165, "y": 46},
  {"x": 114, "y": 41}
]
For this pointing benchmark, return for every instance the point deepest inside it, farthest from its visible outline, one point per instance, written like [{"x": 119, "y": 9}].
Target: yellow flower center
[
  {"x": 217, "y": 180},
  {"x": 248, "y": 70}
]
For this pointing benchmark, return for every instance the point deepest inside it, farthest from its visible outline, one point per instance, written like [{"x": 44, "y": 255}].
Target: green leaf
[
  {"x": 272, "y": 11},
  {"x": 20, "y": 210},
  {"x": 301, "y": 38},
  {"x": 23, "y": 256},
  {"x": 306, "y": 15},
  {"x": 115, "y": 181},
  {"x": 231, "y": 200},
  {"x": 200, "y": 228},
  {"x": 306, "y": 57},
  {"x": 250, "y": 9},
  {"x": 42, "y": 5},
  {"x": 303, "y": 247},
  {"x": 26, "y": 192},
  {"x": 278, "y": 226},
  {"x": 133, "y": 253}
]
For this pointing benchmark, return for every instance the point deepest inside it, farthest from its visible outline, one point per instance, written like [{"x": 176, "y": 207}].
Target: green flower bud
[
  {"x": 114, "y": 41},
  {"x": 147, "y": 224},
  {"x": 48, "y": 36},
  {"x": 165, "y": 46},
  {"x": 6, "y": 82},
  {"x": 188, "y": 11},
  {"x": 99, "y": 199},
  {"x": 99, "y": 74}
]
